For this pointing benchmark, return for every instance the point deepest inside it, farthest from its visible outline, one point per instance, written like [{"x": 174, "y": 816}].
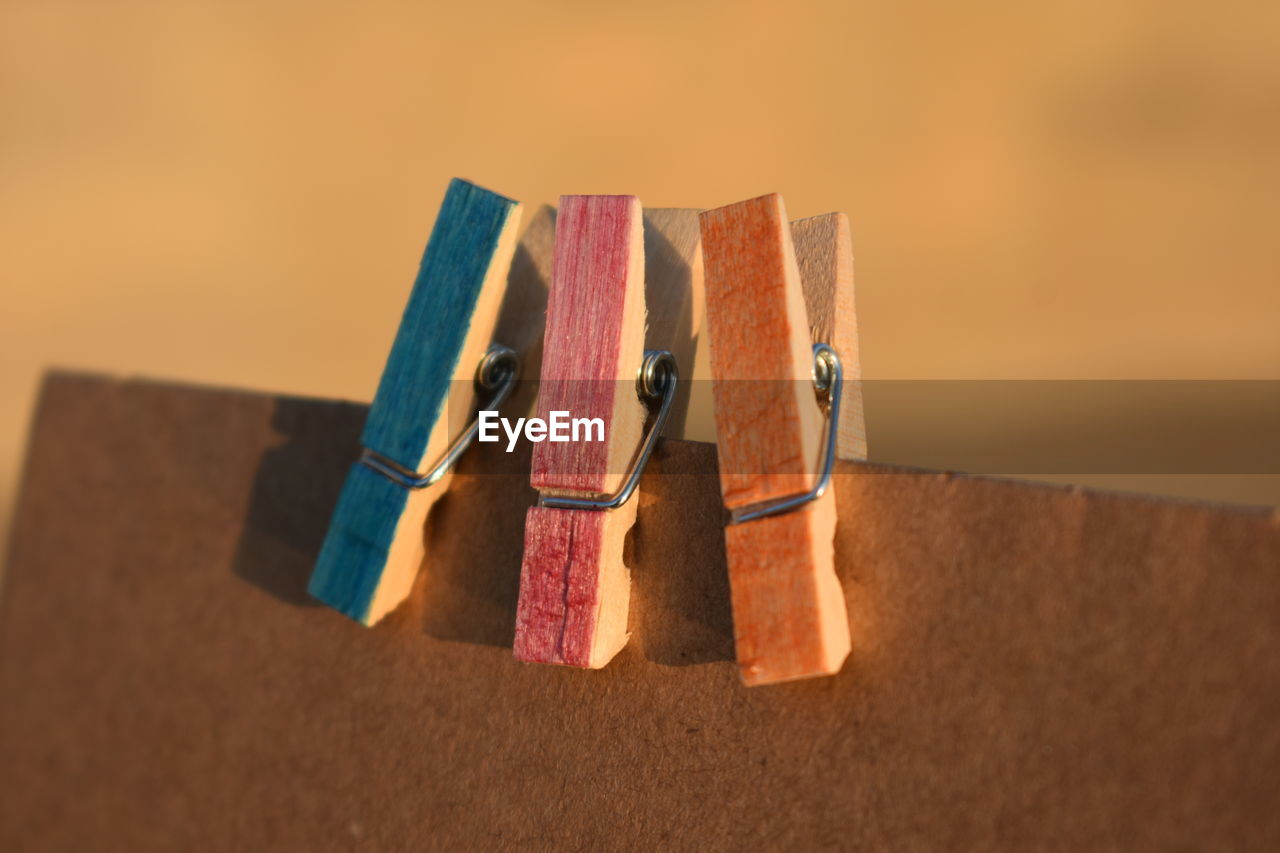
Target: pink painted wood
[
  {"x": 559, "y": 593},
  {"x": 596, "y": 264},
  {"x": 574, "y": 588}
]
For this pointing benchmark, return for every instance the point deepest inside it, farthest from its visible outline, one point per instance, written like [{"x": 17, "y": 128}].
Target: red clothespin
[
  {"x": 574, "y": 587},
  {"x": 771, "y": 386}
]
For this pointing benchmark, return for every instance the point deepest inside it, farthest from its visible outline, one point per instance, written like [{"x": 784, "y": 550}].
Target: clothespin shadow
[
  {"x": 475, "y": 533},
  {"x": 294, "y": 490},
  {"x": 680, "y": 611},
  {"x": 467, "y": 593}
]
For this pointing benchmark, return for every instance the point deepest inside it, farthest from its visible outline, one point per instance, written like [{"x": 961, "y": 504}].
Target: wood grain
[
  {"x": 575, "y": 590},
  {"x": 674, "y": 300},
  {"x": 524, "y": 307},
  {"x": 825, "y": 258},
  {"x": 768, "y": 424},
  {"x": 824, "y": 253},
  {"x": 594, "y": 342},
  {"x": 574, "y": 587},
  {"x": 375, "y": 547},
  {"x": 789, "y": 615}
]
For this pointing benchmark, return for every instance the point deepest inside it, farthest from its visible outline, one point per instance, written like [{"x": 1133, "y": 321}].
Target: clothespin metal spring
[
  {"x": 828, "y": 379},
  {"x": 657, "y": 377},
  {"x": 498, "y": 371}
]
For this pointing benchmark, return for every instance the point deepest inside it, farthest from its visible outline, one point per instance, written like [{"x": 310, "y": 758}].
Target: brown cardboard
[{"x": 1032, "y": 667}]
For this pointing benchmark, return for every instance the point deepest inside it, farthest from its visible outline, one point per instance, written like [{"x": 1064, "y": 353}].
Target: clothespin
[
  {"x": 776, "y": 454},
  {"x": 824, "y": 252},
  {"x": 443, "y": 360},
  {"x": 673, "y": 296},
  {"x": 826, "y": 259},
  {"x": 574, "y": 587}
]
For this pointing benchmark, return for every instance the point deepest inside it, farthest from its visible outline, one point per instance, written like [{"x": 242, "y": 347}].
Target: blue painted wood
[
  {"x": 411, "y": 395},
  {"x": 351, "y": 562},
  {"x": 415, "y": 382}
]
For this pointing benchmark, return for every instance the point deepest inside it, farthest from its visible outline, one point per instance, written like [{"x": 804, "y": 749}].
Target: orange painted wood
[
  {"x": 824, "y": 251},
  {"x": 789, "y": 614},
  {"x": 574, "y": 587},
  {"x": 768, "y": 426}
]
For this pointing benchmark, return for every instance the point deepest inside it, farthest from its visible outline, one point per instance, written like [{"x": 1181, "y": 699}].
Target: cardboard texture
[{"x": 1032, "y": 666}]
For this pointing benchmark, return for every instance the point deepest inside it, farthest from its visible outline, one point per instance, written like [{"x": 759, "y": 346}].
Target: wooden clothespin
[
  {"x": 824, "y": 251},
  {"x": 775, "y": 452},
  {"x": 374, "y": 545},
  {"x": 574, "y": 587},
  {"x": 826, "y": 259},
  {"x": 674, "y": 304}
]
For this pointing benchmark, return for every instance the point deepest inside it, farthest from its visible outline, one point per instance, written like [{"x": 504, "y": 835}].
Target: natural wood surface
[
  {"x": 574, "y": 587},
  {"x": 824, "y": 252},
  {"x": 374, "y": 547},
  {"x": 1038, "y": 667},
  {"x": 789, "y": 617},
  {"x": 674, "y": 299},
  {"x": 524, "y": 308}
]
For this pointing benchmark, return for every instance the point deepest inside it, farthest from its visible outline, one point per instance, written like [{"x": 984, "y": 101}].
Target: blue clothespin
[{"x": 374, "y": 546}]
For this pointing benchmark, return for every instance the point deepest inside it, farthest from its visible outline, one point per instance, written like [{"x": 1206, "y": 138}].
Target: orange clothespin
[
  {"x": 772, "y": 388},
  {"x": 824, "y": 250}
]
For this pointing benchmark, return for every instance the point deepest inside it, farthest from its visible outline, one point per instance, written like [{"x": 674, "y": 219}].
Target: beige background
[{"x": 238, "y": 192}]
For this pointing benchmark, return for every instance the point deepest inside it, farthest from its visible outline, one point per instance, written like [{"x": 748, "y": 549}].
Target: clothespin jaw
[
  {"x": 824, "y": 251},
  {"x": 374, "y": 546},
  {"x": 574, "y": 587},
  {"x": 788, "y": 607},
  {"x": 674, "y": 301}
]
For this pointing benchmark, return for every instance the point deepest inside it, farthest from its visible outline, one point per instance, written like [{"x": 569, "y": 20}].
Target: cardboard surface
[{"x": 1032, "y": 666}]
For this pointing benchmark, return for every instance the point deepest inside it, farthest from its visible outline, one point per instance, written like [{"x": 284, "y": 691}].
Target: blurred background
[{"x": 238, "y": 193}]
